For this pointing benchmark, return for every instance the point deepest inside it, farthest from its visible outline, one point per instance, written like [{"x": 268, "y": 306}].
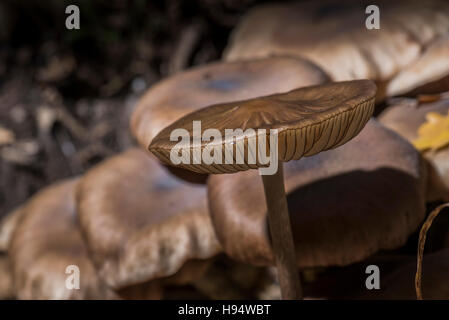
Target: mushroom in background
[
  {"x": 230, "y": 279},
  {"x": 6, "y": 281},
  {"x": 308, "y": 120},
  {"x": 7, "y": 226},
  {"x": 428, "y": 75},
  {"x": 345, "y": 204},
  {"x": 143, "y": 226},
  {"x": 46, "y": 242},
  {"x": 406, "y": 116},
  {"x": 214, "y": 83},
  {"x": 408, "y": 51}
]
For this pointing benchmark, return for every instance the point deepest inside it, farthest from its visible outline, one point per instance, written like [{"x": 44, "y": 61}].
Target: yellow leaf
[{"x": 434, "y": 133}]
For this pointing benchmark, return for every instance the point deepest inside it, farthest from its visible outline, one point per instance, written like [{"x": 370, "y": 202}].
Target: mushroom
[
  {"x": 46, "y": 249},
  {"x": 428, "y": 75},
  {"x": 302, "y": 122},
  {"x": 333, "y": 34},
  {"x": 218, "y": 82},
  {"x": 374, "y": 199},
  {"x": 142, "y": 225},
  {"x": 405, "y": 116},
  {"x": 6, "y": 283},
  {"x": 7, "y": 226}
]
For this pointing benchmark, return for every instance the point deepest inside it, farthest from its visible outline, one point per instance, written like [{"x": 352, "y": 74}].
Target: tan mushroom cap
[
  {"x": 141, "y": 223},
  {"x": 309, "y": 120},
  {"x": 345, "y": 204},
  {"x": 6, "y": 281},
  {"x": 46, "y": 242},
  {"x": 333, "y": 35},
  {"x": 405, "y": 117},
  {"x": 7, "y": 226},
  {"x": 218, "y": 82},
  {"x": 429, "y": 74}
]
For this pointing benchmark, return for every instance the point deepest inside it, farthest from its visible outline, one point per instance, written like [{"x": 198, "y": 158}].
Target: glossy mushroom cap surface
[
  {"x": 218, "y": 82},
  {"x": 345, "y": 204},
  {"x": 46, "y": 242},
  {"x": 141, "y": 223},
  {"x": 333, "y": 34},
  {"x": 309, "y": 120}
]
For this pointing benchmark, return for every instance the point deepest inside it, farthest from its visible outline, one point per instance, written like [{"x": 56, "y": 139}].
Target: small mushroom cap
[
  {"x": 309, "y": 120},
  {"x": 345, "y": 204},
  {"x": 405, "y": 117},
  {"x": 218, "y": 82},
  {"x": 46, "y": 242},
  {"x": 141, "y": 223},
  {"x": 333, "y": 34}
]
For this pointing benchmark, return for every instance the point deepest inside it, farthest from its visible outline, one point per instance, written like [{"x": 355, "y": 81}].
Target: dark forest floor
[{"x": 66, "y": 95}]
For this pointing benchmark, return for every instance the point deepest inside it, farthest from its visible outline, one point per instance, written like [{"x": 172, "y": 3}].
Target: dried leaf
[{"x": 434, "y": 133}]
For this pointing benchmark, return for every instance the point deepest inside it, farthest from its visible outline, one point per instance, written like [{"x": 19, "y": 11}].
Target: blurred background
[{"x": 66, "y": 95}]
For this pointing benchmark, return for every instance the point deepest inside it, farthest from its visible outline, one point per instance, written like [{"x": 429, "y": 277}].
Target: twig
[
  {"x": 421, "y": 243},
  {"x": 188, "y": 39}
]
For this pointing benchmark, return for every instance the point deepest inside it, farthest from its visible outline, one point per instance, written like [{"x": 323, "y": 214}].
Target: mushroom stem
[{"x": 281, "y": 235}]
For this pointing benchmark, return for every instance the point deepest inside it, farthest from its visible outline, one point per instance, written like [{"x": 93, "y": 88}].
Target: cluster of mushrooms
[{"x": 350, "y": 190}]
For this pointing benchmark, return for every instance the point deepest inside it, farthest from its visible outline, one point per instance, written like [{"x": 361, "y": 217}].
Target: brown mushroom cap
[
  {"x": 46, "y": 242},
  {"x": 345, "y": 204},
  {"x": 429, "y": 74},
  {"x": 405, "y": 117},
  {"x": 7, "y": 226},
  {"x": 6, "y": 281},
  {"x": 309, "y": 120},
  {"x": 333, "y": 35},
  {"x": 214, "y": 83},
  {"x": 142, "y": 223}
]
